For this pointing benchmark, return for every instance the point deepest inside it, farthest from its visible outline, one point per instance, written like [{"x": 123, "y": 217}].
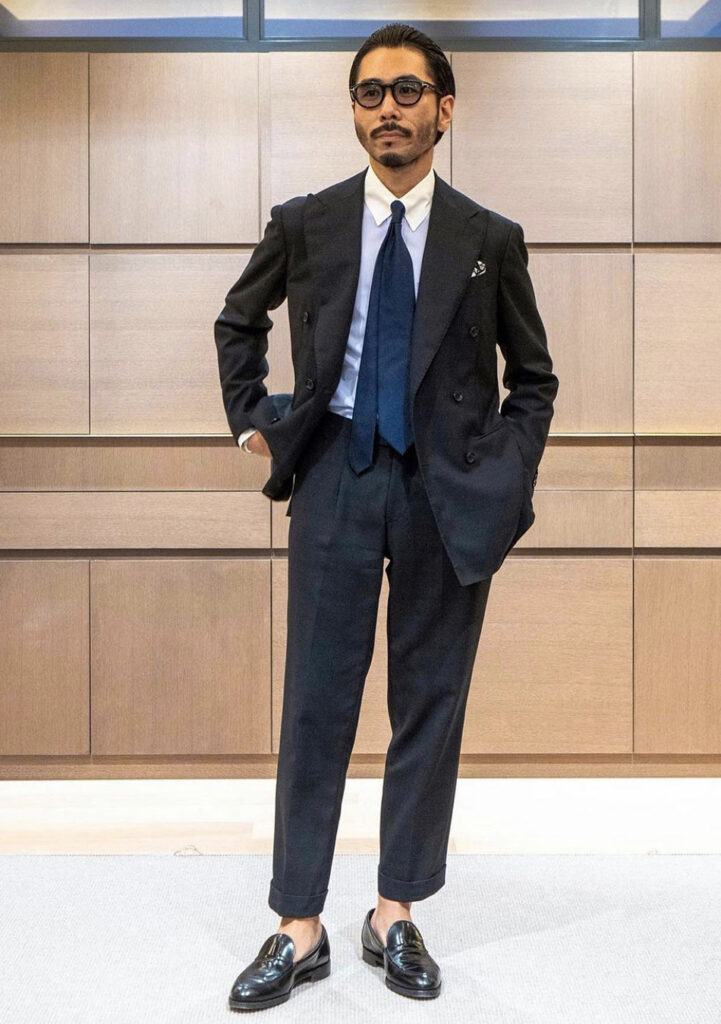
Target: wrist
[{"x": 244, "y": 438}]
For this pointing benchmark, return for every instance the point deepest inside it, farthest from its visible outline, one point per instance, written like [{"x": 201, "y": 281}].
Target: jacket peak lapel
[{"x": 333, "y": 222}]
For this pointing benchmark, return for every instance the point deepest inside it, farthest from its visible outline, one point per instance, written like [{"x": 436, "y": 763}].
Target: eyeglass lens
[{"x": 405, "y": 92}]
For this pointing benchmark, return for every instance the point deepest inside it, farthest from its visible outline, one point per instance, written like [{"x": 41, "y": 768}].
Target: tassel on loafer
[
  {"x": 410, "y": 970},
  {"x": 271, "y": 977}
]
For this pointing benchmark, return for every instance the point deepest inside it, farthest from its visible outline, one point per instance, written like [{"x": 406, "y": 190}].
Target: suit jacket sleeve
[
  {"x": 241, "y": 329},
  {"x": 528, "y": 374}
]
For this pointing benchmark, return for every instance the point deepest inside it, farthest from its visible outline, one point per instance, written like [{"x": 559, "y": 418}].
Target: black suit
[
  {"x": 445, "y": 513},
  {"x": 479, "y": 465}
]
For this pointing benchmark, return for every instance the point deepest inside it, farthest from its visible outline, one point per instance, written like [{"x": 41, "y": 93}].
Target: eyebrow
[{"x": 400, "y": 78}]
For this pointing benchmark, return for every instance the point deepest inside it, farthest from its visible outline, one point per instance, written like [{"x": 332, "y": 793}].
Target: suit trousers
[{"x": 342, "y": 528}]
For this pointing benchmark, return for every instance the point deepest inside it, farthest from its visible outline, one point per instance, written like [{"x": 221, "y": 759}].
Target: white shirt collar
[{"x": 417, "y": 200}]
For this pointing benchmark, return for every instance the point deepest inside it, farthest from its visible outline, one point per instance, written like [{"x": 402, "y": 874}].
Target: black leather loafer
[
  {"x": 410, "y": 969},
  {"x": 270, "y": 978}
]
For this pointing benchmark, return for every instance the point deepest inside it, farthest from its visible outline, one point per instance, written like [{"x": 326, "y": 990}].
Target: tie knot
[{"x": 397, "y": 210}]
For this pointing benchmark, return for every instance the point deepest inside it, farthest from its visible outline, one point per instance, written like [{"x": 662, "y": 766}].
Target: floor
[{"x": 567, "y": 901}]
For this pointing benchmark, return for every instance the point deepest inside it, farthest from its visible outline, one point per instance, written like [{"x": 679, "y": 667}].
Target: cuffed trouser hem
[
  {"x": 288, "y": 905},
  {"x": 397, "y": 889}
]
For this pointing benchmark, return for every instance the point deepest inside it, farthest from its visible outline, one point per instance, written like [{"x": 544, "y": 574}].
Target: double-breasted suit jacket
[{"x": 478, "y": 463}]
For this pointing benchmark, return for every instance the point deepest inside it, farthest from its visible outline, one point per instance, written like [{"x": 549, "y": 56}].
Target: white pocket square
[{"x": 479, "y": 268}]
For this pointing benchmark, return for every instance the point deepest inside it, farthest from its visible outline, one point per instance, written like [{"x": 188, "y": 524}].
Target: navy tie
[{"x": 382, "y": 391}]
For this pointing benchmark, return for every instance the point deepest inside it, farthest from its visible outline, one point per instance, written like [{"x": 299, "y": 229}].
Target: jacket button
[
  {"x": 470, "y": 456},
  {"x": 309, "y": 383},
  {"x": 473, "y": 331},
  {"x": 458, "y": 395},
  {"x": 275, "y": 419},
  {"x": 305, "y": 316}
]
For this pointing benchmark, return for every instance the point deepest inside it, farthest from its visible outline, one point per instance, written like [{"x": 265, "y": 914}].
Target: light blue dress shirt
[{"x": 376, "y": 218}]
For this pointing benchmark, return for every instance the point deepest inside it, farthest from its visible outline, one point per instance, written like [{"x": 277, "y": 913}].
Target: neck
[{"x": 400, "y": 180}]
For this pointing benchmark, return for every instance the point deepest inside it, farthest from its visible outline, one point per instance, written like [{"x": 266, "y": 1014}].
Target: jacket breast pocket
[
  {"x": 479, "y": 298},
  {"x": 487, "y": 279}
]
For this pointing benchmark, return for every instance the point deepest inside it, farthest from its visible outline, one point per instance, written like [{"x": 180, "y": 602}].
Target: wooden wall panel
[
  {"x": 279, "y": 523},
  {"x": 545, "y": 138},
  {"x": 677, "y": 655},
  {"x": 134, "y": 519},
  {"x": 580, "y": 519},
  {"x": 586, "y": 464},
  {"x": 553, "y": 672},
  {"x": 43, "y": 147},
  {"x": 311, "y": 89},
  {"x": 677, "y": 375},
  {"x": 43, "y": 342},
  {"x": 584, "y": 496},
  {"x": 586, "y": 303},
  {"x": 281, "y": 375},
  {"x": 44, "y": 657},
  {"x": 174, "y": 671},
  {"x": 128, "y": 464},
  {"x": 153, "y": 359},
  {"x": 678, "y": 519},
  {"x": 121, "y": 343},
  {"x": 174, "y": 147},
  {"x": 678, "y": 463},
  {"x": 677, "y": 146}
]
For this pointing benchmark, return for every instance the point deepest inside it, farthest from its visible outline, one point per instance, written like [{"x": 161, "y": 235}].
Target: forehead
[{"x": 390, "y": 62}]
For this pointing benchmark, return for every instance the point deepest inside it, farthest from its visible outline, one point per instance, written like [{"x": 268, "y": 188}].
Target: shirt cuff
[{"x": 244, "y": 437}]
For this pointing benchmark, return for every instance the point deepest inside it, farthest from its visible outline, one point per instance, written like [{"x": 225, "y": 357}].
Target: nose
[{"x": 389, "y": 108}]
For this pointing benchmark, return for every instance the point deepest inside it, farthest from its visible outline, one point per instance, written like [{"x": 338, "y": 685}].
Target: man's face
[{"x": 416, "y": 125}]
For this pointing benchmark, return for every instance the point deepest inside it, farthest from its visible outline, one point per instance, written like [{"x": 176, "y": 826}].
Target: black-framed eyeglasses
[{"x": 406, "y": 92}]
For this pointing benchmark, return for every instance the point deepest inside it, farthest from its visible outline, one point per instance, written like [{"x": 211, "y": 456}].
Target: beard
[{"x": 405, "y": 150}]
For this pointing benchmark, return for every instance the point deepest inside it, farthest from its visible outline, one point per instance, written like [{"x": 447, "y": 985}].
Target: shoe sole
[
  {"x": 376, "y": 960},
  {"x": 310, "y": 974}
]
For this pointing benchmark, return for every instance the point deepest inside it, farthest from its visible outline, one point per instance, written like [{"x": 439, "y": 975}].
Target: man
[{"x": 393, "y": 446}]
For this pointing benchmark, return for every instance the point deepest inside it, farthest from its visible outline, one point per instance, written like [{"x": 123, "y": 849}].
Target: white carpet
[{"x": 622, "y": 939}]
